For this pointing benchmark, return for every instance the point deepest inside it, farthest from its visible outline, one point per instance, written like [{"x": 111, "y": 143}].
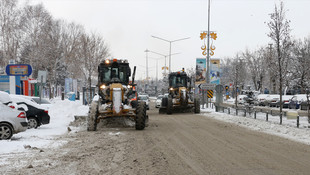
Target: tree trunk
[
  {"x": 90, "y": 90},
  {"x": 281, "y": 78},
  {"x": 308, "y": 104}
]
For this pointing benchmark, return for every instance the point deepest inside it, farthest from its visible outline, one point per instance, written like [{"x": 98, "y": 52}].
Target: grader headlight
[{"x": 102, "y": 86}]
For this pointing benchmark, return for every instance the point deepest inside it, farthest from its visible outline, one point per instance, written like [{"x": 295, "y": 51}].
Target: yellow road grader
[
  {"x": 180, "y": 96},
  {"x": 115, "y": 91}
]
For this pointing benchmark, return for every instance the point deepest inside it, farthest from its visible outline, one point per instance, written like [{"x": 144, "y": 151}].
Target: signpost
[
  {"x": 18, "y": 70},
  {"x": 42, "y": 80},
  {"x": 209, "y": 88},
  {"x": 15, "y": 70}
]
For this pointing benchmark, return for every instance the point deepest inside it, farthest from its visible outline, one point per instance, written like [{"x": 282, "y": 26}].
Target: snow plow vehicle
[
  {"x": 114, "y": 95},
  {"x": 180, "y": 96}
]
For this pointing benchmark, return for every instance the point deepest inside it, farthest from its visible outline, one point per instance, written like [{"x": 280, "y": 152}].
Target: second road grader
[{"x": 180, "y": 96}]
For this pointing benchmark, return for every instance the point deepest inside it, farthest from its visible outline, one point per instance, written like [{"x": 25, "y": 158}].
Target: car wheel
[
  {"x": 33, "y": 122},
  {"x": 6, "y": 131}
]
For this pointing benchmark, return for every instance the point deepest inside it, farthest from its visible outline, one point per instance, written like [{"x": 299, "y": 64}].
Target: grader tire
[
  {"x": 92, "y": 117},
  {"x": 196, "y": 106},
  {"x": 164, "y": 102},
  {"x": 140, "y": 116},
  {"x": 169, "y": 106}
]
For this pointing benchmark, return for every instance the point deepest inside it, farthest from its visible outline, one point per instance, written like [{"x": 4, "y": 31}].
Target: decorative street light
[{"x": 170, "y": 41}]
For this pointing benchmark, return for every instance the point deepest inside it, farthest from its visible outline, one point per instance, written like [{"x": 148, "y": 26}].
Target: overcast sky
[{"x": 127, "y": 26}]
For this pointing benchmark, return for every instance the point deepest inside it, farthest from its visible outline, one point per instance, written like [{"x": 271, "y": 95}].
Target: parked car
[
  {"x": 260, "y": 99},
  {"x": 304, "y": 105},
  {"x": 272, "y": 100},
  {"x": 43, "y": 102},
  {"x": 145, "y": 98},
  {"x": 36, "y": 114},
  {"x": 241, "y": 99},
  {"x": 6, "y": 100},
  {"x": 296, "y": 100},
  {"x": 285, "y": 101},
  {"x": 158, "y": 101},
  {"x": 12, "y": 121}
]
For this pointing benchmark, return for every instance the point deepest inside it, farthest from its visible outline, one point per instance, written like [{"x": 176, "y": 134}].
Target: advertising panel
[
  {"x": 215, "y": 71},
  {"x": 18, "y": 69},
  {"x": 201, "y": 69}
]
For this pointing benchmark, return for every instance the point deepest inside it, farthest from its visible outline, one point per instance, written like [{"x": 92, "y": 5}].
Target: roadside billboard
[
  {"x": 18, "y": 70},
  {"x": 201, "y": 69},
  {"x": 215, "y": 71}
]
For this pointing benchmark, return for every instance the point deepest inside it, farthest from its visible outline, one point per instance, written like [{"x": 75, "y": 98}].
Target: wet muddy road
[{"x": 171, "y": 144}]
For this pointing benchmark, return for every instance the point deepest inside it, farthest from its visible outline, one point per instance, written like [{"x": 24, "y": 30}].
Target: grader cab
[
  {"x": 180, "y": 96},
  {"x": 115, "y": 91}
]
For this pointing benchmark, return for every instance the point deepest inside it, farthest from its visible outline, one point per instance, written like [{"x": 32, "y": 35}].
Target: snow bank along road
[{"x": 172, "y": 144}]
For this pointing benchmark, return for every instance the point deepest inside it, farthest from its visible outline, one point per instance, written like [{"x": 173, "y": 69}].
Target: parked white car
[
  {"x": 145, "y": 98},
  {"x": 272, "y": 100},
  {"x": 6, "y": 100},
  {"x": 12, "y": 121},
  {"x": 158, "y": 101},
  {"x": 261, "y": 98},
  {"x": 240, "y": 99},
  {"x": 285, "y": 101}
]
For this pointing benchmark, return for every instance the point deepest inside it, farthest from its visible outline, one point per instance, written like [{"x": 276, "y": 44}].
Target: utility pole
[
  {"x": 146, "y": 65},
  {"x": 147, "y": 71},
  {"x": 208, "y": 47}
]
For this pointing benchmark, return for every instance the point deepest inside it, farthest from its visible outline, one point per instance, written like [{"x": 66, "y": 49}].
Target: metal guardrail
[{"x": 290, "y": 114}]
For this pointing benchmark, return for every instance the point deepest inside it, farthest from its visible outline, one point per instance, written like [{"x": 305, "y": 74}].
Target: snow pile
[
  {"x": 61, "y": 113},
  {"x": 287, "y": 130}
]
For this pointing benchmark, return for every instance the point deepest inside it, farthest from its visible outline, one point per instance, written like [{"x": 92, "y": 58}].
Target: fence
[{"x": 252, "y": 111}]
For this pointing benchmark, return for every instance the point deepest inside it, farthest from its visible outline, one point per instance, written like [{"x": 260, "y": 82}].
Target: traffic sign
[
  {"x": 219, "y": 88},
  {"x": 210, "y": 93},
  {"x": 207, "y": 86}
]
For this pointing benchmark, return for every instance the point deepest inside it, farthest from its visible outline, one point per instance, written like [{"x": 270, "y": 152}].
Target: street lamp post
[
  {"x": 165, "y": 58},
  {"x": 157, "y": 65},
  {"x": 170, "y": 42},
  {"x": 147, "y": 71},
  {"x": 208, "y": 49}
]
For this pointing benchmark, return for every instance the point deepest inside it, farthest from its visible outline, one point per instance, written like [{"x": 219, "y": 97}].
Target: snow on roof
[
  {"x": 21, "y": 98},
  {"x": 5, "y": 97}
]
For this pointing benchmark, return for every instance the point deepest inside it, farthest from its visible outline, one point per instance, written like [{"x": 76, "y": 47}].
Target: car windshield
[
  {"x": 43, "y": 101},
  {"x": 143, "y": 97},
  {"x": 160, "y": 97}
]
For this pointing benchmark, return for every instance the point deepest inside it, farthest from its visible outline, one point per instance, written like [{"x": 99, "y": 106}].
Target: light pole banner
[
  {"x": 215, "y": 71},
  {"x": 201, "y": 69}
]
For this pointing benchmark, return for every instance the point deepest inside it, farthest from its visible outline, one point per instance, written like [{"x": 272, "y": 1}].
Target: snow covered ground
[
  {"x": 61, "y": 113},
  {"x": 288, "y": 129}
]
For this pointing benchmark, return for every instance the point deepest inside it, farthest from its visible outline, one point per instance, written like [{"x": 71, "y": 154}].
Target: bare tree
[
  {"x": 256, "y": 64},
  {"x": 37, "y": 23},
  {"x": 300, "y": 68},
  {"x": 9, "y": 30},
  {"x": 71, "y": 34},
  {"x": 93, "y": 50},
  {"x": 280, "y": 34}
]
